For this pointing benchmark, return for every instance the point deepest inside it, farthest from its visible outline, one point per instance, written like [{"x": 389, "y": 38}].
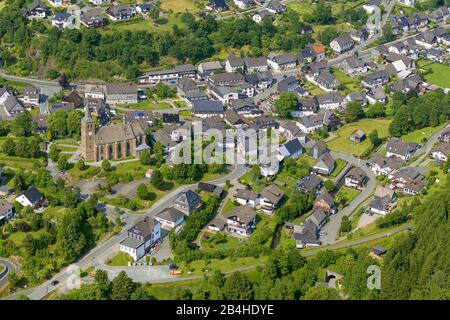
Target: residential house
[
  {"x": 280, "y": 62},
  {"x": 58, "y": 3},
  {"x": 233, "y": 118},
  {"x": 359, "y": 97},
  {"x": 436, "y": 55},
  {"x": 355, "y": 178},
  {"x": 306, "y": 106},
  {"x": 187, "y": 202},
  {"x": 254, "y": 65},
  {"x": 439, "y": 15},
  {"x": 290, "y": 130},
  {"x": 318, "y": 149},
  {"x": 398, "y": 148},
  {"x": 444, "y": 136},
  {"x": 398, "y": 48},
  {"x": 408, "y": 180},
  {"x": 99, "y": 2},
  {"x": 292, "y": 149},
  {"x": 234, "y": 64},
  {"x": 318, "y": 217},
  {"x": 144, "y": 8},
  {"x": 270, "y": 198},
  {"x": 324, "y": 165},
  {"x": 186, "y": 85},
  {"x": 441, "y": 151},
  {"x": 247, "y": 197},
  {"x": 170, "y": 218},
  {"x": 375, "y": 95},
  {"x": 384, "y": 201},
  {"x": 36, "y": 10},
  {"x": 305, "y": 56},
  {"x": 245, "y": 107},
  {"x": 208, "y": 108},
  {"x": 10, "y": 105},
  {"x": 309, "y": 184},
  {"x": 360, "y": 35},
  {"x": 141, "y": 238},
  {"x": 330, "y": 101},
  {"x": 120, "y": 12},
  {"x": 206, "y": 69},
  {"x": 319, "y": 51},
  {"x": 375, "y": 79},
  {"x": 275, "y": 6},
  {"x": 31, "y": 96},
  {"x": 269, "y": 166},
  {"x": 226, "y": 79},
  {"x": 265, "y": 122},
  {"x": 217, "y": 6},
  {"x": 92, "y": 18},
  {"x": 426, "y": 39},
  {"x": 288, "y": 84},
  {"x": 121, "y": 93},
  {"x": 384, "y": 165},
  {"x": 353, "y": 66},
  {"x": 241, "y": 221},
  {"x": 30, "y": 198},
  {"x": 341, "y": 44},
  {"x": 325, "y": 202},
  {"x": 307, "y": 235},
  {"x": 327, "y": 81},
  {"x": 243, "y": 4},
  {"x": 6, "y": 211},
  {"x": 63, "y": 20}
]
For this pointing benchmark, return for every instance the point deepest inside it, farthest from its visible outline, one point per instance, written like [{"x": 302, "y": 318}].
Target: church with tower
[{"x": 111, "y": 142}]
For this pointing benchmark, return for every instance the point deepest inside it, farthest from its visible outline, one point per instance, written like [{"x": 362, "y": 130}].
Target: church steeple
[{"x": 87, "y": 114}]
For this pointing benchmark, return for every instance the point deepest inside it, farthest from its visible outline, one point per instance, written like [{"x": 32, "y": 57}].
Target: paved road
[
  {"x": 333, "y": 225},
  {"x": 426, "y": 148},
  {"x": 353, "y": 243},
  {"x": 9, "y": 266}
]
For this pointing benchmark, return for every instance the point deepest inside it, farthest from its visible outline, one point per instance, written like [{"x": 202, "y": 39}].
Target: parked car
[
  {"x": 173, "y": 266},
  {"x": 54, "y": 282}
]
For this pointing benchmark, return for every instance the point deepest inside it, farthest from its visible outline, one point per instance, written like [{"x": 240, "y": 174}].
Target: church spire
[{"x": 87, "y": 114}]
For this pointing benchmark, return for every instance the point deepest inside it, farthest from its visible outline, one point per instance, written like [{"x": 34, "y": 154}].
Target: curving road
[{"x": 9, "y": 266}]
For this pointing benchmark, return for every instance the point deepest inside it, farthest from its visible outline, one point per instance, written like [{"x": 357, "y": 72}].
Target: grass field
[
  {"x": 346, "y": 193},
  {"x": 340, "y": 164},
  {"x": 229, "y": 205},
  {"x": 439, "y": 73},
  {"x": 179, "y": 5},
  {"x": 1, "y": 266},
  {"x": 342, "y": 142},
  {"x": 424, "y": 133},
  {"x": 186, "y": 114},
  {"x": 2, "y": 4},
  {"x": 119, "y": 260},
  {"x": 18, "y": 162},
  {"x": 163, "y": 24},
  {"x": 147, "y": 105},
  {"x": 351, "y": 84}
]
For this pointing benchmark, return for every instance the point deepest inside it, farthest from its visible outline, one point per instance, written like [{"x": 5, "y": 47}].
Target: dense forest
[{"x": 103, "y": 53}]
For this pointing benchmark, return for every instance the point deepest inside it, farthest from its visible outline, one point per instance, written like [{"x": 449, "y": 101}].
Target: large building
[{"x": 115, "y": 141}]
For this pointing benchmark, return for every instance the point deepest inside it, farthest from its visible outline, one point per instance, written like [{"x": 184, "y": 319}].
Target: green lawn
[
  {"x": 87, "y": 173},
  {"x": 420, "y": 134},
  {"x": 286, "y": 240},
  {"x": 147, "y": 105},
  {"x": 186, "y": 115},
  {"x": 180, "y": 5},
  {"x": 342, "y": 142},
  {"x": 439, "y": 74},
  {"x": 119, "y": 260},
  {"x": 2, "y": 4},
  {"x": 70, "y": 142},
  {"x": 180, "y": 104},
  {"x": 229, "y": 205},
  {"x": 346, "y": 193},
  {"x": 351, "y": 84},
  {"x": 18, "y": 162},
  {"x": 340, "y": 164},
  {"x": 1, "y": 266},
  {"x": 52, "y": 212},
  {"x": 66, "y": 148},
  {"x": 199, "y": 267}
]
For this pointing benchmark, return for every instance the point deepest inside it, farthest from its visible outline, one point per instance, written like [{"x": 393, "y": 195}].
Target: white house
[
  {"x": 170, "y": 218},
  {"x": 409, "y": 3},
  {"x": 99, "y": 2},
  {"x": 30, "y": 198},
  {"x": 63, "y": 20},
  {"x": 141, "y": 238},
  {"x": 247, "y": 197},
  {"x": 441, "y": 152},
  {"x": 243, "y": 4}
]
